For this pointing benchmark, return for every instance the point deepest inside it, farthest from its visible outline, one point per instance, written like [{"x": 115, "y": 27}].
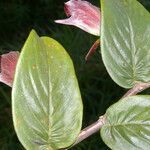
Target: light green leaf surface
[
  {"x": 125, "y": 41},
  {"x": 46, "y": 101},
  {"x": 128, "y": 124}
]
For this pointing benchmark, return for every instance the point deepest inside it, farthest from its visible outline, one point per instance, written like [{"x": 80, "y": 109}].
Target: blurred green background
[{"x": 17, "y": 18}]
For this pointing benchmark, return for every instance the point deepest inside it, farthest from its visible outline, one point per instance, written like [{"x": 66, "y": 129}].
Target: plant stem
[
  {"x": 137, "y": 89},
  {"x": 92, "y": 49},
  {"x": 93, "y": 128}
]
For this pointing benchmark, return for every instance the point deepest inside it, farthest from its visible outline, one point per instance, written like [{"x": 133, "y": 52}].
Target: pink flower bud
[
  {"x": 8, "y": 64},
  {"x": 82, "y": 14}
]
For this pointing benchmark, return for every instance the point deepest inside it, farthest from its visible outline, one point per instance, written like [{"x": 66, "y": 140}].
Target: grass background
[{"x": 17, "y": 18}]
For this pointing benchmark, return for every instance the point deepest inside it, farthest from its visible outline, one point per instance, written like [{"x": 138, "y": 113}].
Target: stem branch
[
  {"x": 93, "y": 128},
  {"x": 137, "y": 89}
]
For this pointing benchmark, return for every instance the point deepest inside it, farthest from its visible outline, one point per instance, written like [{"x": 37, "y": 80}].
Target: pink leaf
[
  {"x": 7, "y": 67},
  {"x": 82, "y": 14}
]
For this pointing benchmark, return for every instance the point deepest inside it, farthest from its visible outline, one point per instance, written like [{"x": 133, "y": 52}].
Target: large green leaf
[
  {"x": 128, "y": 124},
  {"x": 46, "y": 102},
  {"x": 125, "y": 41}
]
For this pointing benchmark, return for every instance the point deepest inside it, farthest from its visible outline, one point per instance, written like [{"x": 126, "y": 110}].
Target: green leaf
[
  {"x": 46, "y": 101},
  {"x": 125, "y": 41},
  {"x": 128, "y": 124}
]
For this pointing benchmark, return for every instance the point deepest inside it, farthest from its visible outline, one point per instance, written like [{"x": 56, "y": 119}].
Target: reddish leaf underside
[{"x": 8, "y": 64}]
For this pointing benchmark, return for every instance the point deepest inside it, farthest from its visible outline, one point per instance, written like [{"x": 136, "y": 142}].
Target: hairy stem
[{"x": 95, "y": 127}]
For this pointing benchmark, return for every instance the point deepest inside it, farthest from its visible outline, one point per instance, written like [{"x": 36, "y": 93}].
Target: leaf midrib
[{"x": 49, "y": 96}]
